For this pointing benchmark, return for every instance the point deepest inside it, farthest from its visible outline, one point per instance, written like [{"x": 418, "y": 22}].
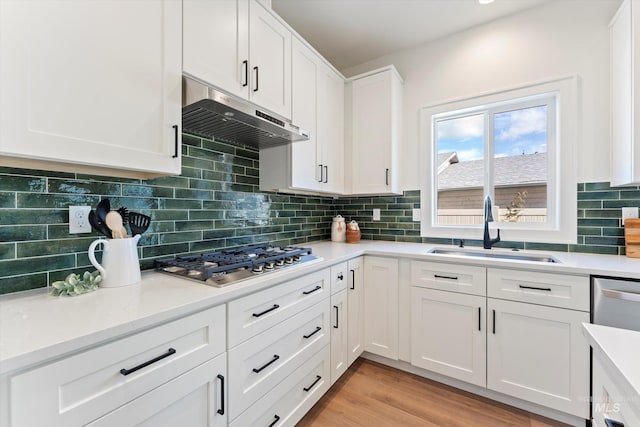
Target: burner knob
[
  {"x": 257, "y": 268},
  {"x": 288, "y": 260},
  {"x": 280, "y": 262}
]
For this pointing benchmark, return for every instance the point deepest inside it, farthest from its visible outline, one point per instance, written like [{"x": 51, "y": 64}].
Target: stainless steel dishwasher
[{"x": 616, "y": 302}]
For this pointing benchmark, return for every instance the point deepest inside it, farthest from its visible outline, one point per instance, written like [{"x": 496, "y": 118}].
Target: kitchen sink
[{"x": 491, "y": 254}]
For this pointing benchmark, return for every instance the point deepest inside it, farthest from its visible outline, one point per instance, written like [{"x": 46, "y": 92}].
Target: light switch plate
[
  {"x": 79, "y": 219},
  {"x": 416, "y": 214},
  {"x": 376, "y": 214},
  {"x": 631, "y": 212}
]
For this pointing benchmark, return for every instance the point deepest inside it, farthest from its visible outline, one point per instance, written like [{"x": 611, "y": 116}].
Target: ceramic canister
[{"x": 338, "y": 229}]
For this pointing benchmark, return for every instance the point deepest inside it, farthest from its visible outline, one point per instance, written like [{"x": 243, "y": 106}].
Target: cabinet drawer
[
  {"x": 449, "y": 277},
  {"x": 193, "y": 399},
  {"x": 293, "y": 397},
  {"x": 555, "y": 290},
  {"x": 339, "y": 277},
  {"x": 257, "y": 365},
  {"x": 78, "y": 389},
  {"x": 258, "y": 312}
]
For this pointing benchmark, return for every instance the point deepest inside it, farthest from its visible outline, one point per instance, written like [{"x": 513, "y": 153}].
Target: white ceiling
[{"x": 351, "y": 32}]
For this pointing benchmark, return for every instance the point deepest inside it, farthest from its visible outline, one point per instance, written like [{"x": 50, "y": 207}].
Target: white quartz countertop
[
  {"x": 618, "y": 350},
  {"x": 35, "y": 326}
]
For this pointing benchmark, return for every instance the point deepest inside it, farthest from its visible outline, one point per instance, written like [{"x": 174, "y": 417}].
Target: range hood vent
[{"x": 213, "y": 114}]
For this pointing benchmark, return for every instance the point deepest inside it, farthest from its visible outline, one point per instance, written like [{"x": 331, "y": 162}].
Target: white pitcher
[{"x": 120, "y": 264}]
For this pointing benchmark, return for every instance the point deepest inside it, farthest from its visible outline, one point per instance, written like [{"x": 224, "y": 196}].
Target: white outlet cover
[
  {"x": 376, "y": 214},
  {"x": 416, "y": 214},
  {"x": 79, "y": 219},
  {"x": 631, "y": 212}
]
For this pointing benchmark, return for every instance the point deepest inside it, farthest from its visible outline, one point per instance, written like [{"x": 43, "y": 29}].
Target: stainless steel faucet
[{"x": 487, "y": 241}]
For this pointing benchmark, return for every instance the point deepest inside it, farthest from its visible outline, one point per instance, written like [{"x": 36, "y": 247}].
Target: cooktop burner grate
[{"x": 222, "y": 268}]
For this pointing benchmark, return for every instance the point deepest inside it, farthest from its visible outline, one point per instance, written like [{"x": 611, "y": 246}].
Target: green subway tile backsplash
[{"x": 216, "y": 203}]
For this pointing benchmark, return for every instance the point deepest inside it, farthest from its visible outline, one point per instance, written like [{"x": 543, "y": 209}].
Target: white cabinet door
[
  {"x": 625, "y": 101},
  {"x": 269, "y": 61},
  {"x": 339, "y": 337},
  {"x": 331, "y": 129},
  {"x": 91, "y": 86},
  {"x": 194, "y": 399},
  {"x": 355, "y": 308},
  {"x": 317, "y": 105},
  {"x": 305, "y": 173},
  {"x": 376, "y": 102},
  {"x": 449, "y": 334},
  {"x": 381, "y": 306},
  {"x": 215, "y": 53},
  {"x": 538, "y": 354}
]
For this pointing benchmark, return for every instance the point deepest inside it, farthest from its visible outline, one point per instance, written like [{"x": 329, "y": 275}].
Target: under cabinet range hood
[{"x": 211, "y": 113}]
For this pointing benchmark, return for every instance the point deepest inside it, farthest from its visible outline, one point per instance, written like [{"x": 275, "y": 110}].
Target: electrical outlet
[
  {"x": 79, "y": 219},
  {"x": 629, "y": 213},
  {"x": 416, "y": 214},
  {"x": 376, "y": 214}
]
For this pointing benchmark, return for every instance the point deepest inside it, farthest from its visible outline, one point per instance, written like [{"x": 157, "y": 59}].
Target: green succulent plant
[{"x": 74, "y": 285}]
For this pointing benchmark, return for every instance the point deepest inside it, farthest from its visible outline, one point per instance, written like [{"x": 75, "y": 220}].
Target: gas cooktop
[{"x": 222, "y": 268}]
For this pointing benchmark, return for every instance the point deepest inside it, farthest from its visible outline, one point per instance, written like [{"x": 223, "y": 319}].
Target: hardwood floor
[{"x": 373, "y": 395}]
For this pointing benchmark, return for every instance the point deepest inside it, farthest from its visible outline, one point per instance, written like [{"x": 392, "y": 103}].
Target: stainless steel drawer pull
[
  {"x": 318, "y": 378},
  {"x": 534, "y": 288},
  {"x": 275, "y": 306},
  {"x": 275, "y": 421},
  {"x": 317, "y": 288},
  {"x": 126, "y": 372},
  {"x": 275, "y": 357},
  {"x": 318, "y": 329},
  {"x": 438, "y": 276},
  {"x": 627, "y": 296}
]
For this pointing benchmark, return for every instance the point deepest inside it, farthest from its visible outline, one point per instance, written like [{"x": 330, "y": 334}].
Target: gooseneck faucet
[{"x": 487, "y": 241}]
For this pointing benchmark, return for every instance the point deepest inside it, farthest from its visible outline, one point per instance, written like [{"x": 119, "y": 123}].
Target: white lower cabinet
[
  {"x": 287, "y": 403},
  {"x": 339, "y": 337},
  {"x": 81, "y": 388},
  {"x": 539, "y": 354},
  {"x": 355, "y": 309},
  {"x": 448, "y": 334},
  {"x": 381, "y": 306},
  {"x": 257, "y": 365},
  {"x": 194, "y": 399}
]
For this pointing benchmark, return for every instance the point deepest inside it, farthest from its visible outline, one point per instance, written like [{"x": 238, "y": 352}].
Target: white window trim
[{"x": 562, "y": 224}]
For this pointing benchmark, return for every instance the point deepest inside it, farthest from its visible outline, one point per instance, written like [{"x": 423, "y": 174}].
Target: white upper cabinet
[
  {"x": 217, "y": 54},
  {"x": 330, "y": 129},
  {"x": 241, "y": 48},
  {"x": 625, "y": 95},
  {"x": 374, "y": 132},
  {"x": 91, "y": 87},
  {"x": 316, "y": 165}
]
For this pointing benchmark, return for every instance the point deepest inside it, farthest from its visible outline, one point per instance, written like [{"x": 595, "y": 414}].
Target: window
[{"x": 509, "y": 145}]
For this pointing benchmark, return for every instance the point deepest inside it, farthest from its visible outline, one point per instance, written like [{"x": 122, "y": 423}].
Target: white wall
[{"x": 558, "y": 39}]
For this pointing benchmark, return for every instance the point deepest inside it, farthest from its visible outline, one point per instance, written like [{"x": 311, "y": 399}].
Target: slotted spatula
[{"x": 138, "y": 223}]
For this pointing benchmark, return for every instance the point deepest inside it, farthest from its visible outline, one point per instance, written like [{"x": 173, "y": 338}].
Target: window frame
[{"x": 561, "y": 225}]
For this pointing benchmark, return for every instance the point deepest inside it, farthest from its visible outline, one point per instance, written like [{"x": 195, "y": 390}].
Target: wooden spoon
[{"x": 114, "y": 222}]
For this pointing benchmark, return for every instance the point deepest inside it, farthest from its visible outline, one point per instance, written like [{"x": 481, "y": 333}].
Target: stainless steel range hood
[{"x": 211, "y": 113}]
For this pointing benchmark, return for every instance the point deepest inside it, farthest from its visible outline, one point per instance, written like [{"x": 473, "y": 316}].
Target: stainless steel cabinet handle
[
  {"x": 321, "y": 175},
  {"x": 175, "y": 138},
  {"x": 326, "y": 174},
  {"x": 627, "y": 296},
  {"x": 386, "y": 176}
]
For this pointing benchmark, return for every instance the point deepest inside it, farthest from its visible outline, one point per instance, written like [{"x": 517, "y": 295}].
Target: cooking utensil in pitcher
[
  {"x": 114, "y": 222},
  {"x": 124, "y": 213},
  {"x": 98, "y": 225},
  {"x": 138, "y": 223},
  {"x": 103, "y": 209}
]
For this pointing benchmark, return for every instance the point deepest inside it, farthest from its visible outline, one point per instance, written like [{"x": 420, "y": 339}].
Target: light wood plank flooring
[{"x": 373, "y": 395}]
